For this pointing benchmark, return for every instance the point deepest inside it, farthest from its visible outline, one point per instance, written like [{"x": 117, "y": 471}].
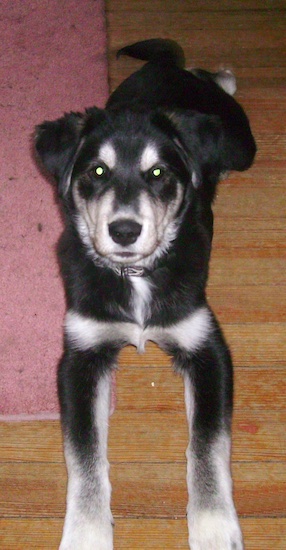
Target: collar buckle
[{"x": 130, "y": 271}]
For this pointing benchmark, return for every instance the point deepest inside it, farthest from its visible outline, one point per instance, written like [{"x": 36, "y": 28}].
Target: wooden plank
[
  {"x": 32, "y": 490},
  {"x": 256, "y": 436},
  {"x": 261, "y": 96},
  {"x": 250, "y": 202},
  {"x": 257, "y": 344},
  {"x": 139, "y": 534},
  {"x": 252, "y": 344},
  {"x": 156, "y": 389},
  {"x": 213, "y": 43},
  {"x": 266, "y": 149},
  {"x": 270, "y": 75},
  {"x": 273, "y": 117},
  {"x": 271, "y": 22},
  {"x": 147, "y": 490},
  {"x": 193, "y": 6},
  {"x": 265, "y": 237},
  {"x": 237, "y": 304},
  {"x": 172, "y": 534},
  {"x": 227, "y": 269},
  {"x": 262, "y": 173},
  {"x": 156, "y": 436},
  {"x": 36, "y": 441}
]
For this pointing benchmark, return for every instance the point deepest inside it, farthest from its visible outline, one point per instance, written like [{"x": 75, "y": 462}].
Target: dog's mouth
[
  {"x": 126, "y": 258},
  {"x": 126, "y": 254}
]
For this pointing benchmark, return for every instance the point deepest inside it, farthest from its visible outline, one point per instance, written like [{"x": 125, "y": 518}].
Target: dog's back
[{"x": 163, "y": 82}]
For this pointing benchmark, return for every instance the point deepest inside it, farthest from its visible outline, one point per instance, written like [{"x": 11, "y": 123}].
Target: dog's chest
[{"x": 140, "y": 299}]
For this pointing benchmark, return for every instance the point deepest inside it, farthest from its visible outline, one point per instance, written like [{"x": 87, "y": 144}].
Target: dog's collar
[{"x": 131, "y": 271}]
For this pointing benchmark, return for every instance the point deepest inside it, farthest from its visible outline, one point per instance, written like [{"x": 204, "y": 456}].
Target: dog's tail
[{"x": 156, "y": 50}]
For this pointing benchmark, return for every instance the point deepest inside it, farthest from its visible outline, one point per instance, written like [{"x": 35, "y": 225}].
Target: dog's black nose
[{"x": 124, "y": 232}]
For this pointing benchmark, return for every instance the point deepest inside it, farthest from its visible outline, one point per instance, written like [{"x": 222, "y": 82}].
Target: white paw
[
  {"x": 226, "y": 80},
  {"x": 214, "y": 530},
  {"x": 87, "y": 537}
]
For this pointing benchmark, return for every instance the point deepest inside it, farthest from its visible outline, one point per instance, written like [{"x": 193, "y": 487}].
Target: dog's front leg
[
  {"x": 84, "y": 390},
  {"x": 212, "y": 519}
]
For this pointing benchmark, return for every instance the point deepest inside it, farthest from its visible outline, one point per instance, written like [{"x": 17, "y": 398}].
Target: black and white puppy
[{"x": 136, "y": 181}]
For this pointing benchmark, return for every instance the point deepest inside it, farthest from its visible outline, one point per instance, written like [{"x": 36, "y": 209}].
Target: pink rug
[{"x": 54, "y": 57}]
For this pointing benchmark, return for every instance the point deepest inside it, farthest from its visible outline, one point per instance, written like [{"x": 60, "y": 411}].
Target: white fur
[
  {"x": 92, "y": 222},
  {"x": 85, "y": 535},
  {"x": 107, "y": 154},
  {"x": 85, "y": 333},
  {"x": 223, "y": 78},
  {"x": 141, "y": 298},
  {"x": 227, "y": 81},
  {"x": 68, "y": 175},
  {"x": 212, "y": 519},
  {"x": 81, "y": 531},
  {"x": 149, "y": 158},
  {"x": 158, "y": 231},
  {"x": 88, "y": 522},
  {"x": 221, "y": 460},
  {"x": 101, "y": 416},
  {"x": 214, "y": 530},
  {"x": 189, "y": 403},
  {"x": 220, "y": 467},
  {"x": 191, "y": 333}
]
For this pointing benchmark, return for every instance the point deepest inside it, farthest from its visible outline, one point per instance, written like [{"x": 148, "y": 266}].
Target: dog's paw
[
  {"x": 87, "y": 537},
  {"x": 226, "y": 80},
  {"x": 215, "y": 530}
]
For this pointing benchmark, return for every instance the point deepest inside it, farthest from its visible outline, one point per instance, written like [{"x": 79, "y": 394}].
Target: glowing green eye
[
  {"x": 99, "y": 171},
  {"x": 157, "y": 172}
]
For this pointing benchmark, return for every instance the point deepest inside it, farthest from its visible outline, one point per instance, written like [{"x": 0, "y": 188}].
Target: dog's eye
[
  {"x": 99, "y": 171},
  {"x": 157, "y": 172}
]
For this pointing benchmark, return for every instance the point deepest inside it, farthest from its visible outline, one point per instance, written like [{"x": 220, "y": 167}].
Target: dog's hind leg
[
  {"x": 212, "y": 519},
  {"x": 223, "y": 78},
  {"x": 85, "y": 379}
]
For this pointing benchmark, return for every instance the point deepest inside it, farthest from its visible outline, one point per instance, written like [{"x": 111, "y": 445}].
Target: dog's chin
[
  {"x": 145, "y": 257},
  {"x": 127, "y": 258}
]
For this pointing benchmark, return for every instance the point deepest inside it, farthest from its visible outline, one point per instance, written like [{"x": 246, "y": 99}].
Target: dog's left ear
[
  {"x": 214, "y": 146},
  {"x": 200, "y": 137}
]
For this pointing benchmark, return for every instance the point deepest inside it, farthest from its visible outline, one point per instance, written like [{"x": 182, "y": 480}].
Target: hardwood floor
[{"x": 148, "y": 433}]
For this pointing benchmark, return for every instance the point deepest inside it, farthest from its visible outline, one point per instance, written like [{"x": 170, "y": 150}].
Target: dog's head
[{"x": 127, "y": 178}]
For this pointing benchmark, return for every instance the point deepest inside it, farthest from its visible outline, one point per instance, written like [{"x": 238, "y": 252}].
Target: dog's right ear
[{"x": 58, "y": 143}]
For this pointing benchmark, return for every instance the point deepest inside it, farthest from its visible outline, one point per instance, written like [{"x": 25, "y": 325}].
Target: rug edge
[{"x": 29, "y": 417}]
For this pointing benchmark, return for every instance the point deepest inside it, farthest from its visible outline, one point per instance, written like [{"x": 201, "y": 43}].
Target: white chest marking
[
  {"x": 190, "y": 334},
  {"x": 141, "y": 298}
]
